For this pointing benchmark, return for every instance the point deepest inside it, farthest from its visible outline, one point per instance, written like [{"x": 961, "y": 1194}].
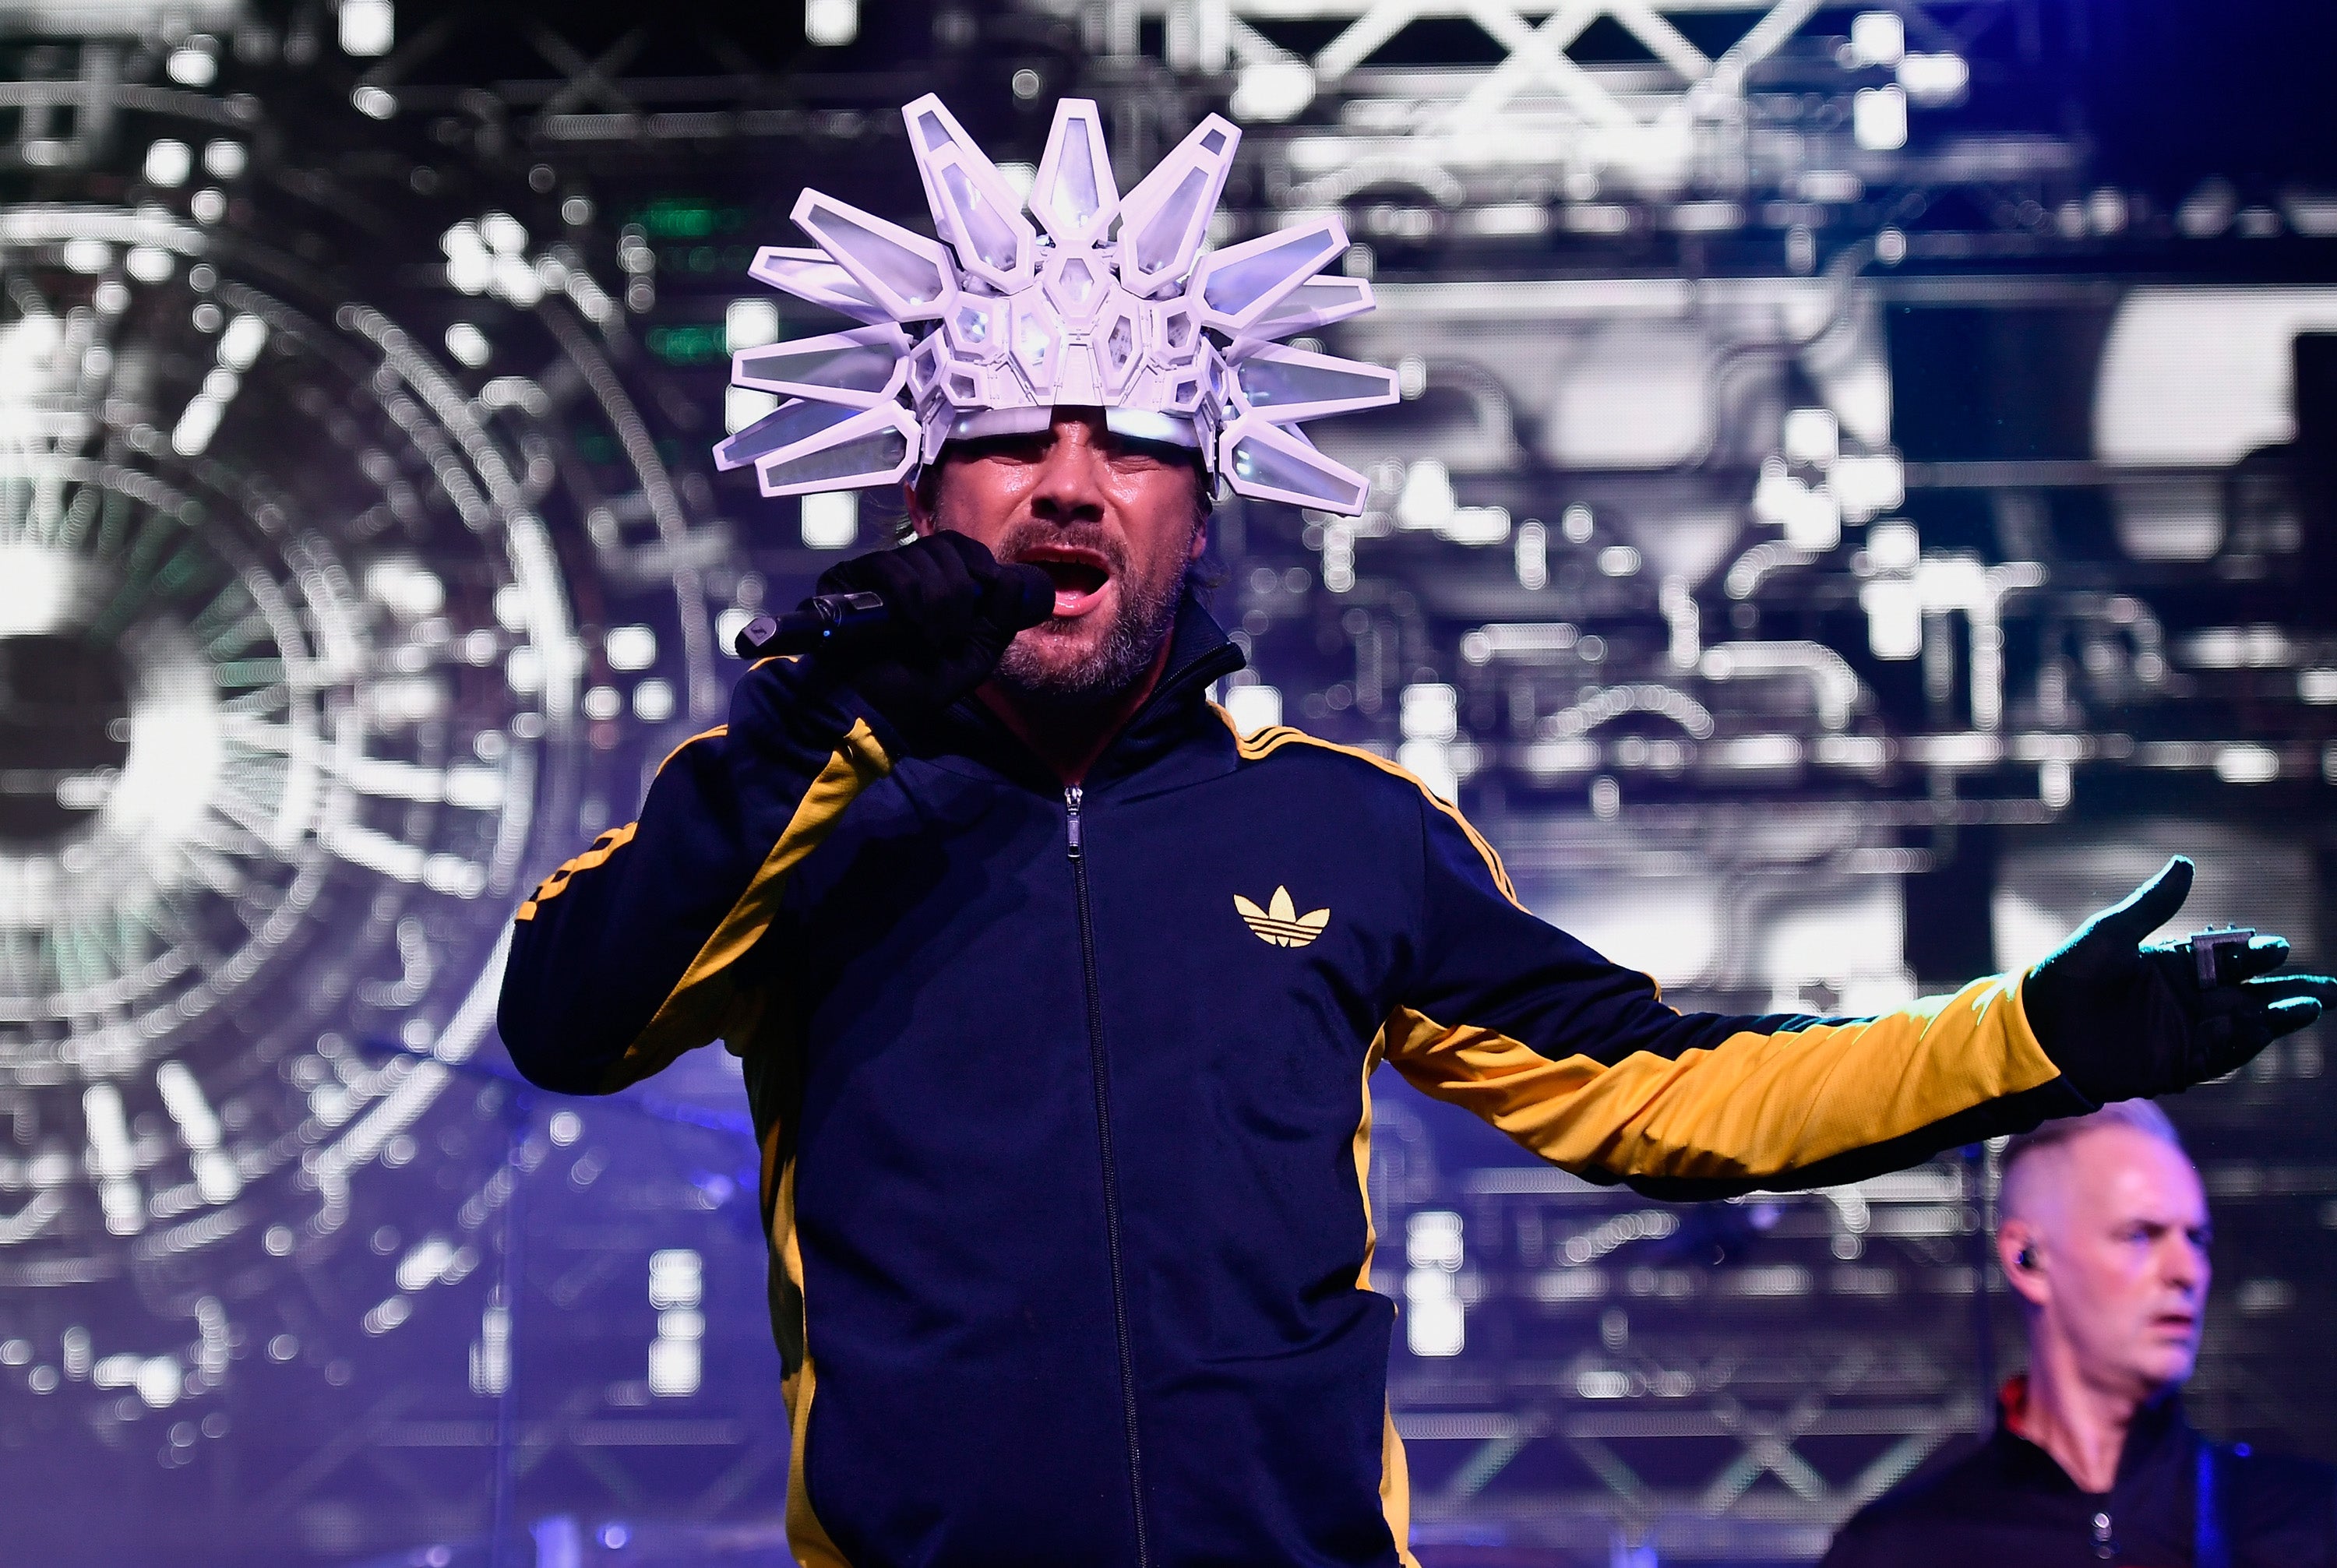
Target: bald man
[{"x": 2104, "y": 1237}]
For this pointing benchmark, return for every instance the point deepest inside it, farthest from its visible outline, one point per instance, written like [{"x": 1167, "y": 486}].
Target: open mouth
[{"x": 1078, "y": 576}]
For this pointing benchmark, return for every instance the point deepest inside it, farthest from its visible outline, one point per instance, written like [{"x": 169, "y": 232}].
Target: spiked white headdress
[{"x": 1107, "y": 301}]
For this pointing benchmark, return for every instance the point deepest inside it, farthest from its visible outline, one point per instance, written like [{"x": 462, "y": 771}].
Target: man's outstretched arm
[
  {"x": 630, "y": 953},
  {"x": 1580, "y": 1060}
]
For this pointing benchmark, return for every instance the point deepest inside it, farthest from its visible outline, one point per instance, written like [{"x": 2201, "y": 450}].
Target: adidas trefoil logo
[{"x": 1279, "y": 923}]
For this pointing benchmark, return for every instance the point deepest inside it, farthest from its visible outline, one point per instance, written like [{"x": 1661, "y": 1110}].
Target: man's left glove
[{"x": 2123, "y": 1021}]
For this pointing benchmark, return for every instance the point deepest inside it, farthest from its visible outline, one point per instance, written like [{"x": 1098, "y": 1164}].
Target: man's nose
[
  {"x": 1071, "y": 482},
  {"x": 2186, "y": 1266}
]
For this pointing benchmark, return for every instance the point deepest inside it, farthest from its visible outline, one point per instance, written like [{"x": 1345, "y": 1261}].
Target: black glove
[
  {"x": 2123, "y": 1021},
  {"x": 951, "y": 610}
]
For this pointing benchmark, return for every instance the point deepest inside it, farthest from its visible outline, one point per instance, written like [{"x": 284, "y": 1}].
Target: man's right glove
[
  {"x": 951, "y": 610},
  {"x": 2123, "y": 1021}
]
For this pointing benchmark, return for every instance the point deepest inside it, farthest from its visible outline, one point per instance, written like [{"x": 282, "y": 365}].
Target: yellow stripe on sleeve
[
  {"x": 715, "y": 733},
  {"x": 1753, "y": 1106},
  {"x": 607, "y": 844},
  {"x": 696, "y": 1007},
  {"x": 554, "y": 885}
]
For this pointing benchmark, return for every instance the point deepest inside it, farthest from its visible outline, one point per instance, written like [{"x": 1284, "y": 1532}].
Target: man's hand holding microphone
[{"x": 912, "y": 629}]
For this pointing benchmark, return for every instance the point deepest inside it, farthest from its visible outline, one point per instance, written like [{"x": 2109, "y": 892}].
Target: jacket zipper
[{"x": 1101, "y": 1071}]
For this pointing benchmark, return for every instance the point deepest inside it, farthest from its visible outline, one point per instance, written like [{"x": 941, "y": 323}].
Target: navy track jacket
[{"x": 1063, "y": 1100}]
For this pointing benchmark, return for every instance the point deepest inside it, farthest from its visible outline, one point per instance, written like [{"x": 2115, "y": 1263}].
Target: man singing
[
  {"x": 2104, "y": 1237},
  {"x": 1058, "y": 1000}
]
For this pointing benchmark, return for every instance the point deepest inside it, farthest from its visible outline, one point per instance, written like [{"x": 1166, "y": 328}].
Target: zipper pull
[{"x": 1071, "y": 797}]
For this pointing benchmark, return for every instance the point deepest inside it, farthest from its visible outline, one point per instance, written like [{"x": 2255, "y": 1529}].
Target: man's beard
[{"x": 1146, "y": 613}]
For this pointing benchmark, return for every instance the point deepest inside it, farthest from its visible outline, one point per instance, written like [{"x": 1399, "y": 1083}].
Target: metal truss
[
  {"x": 1806, "y": 109},
  {"x": 1634, "y": 526},
  {"x": 572, "y": 93}
]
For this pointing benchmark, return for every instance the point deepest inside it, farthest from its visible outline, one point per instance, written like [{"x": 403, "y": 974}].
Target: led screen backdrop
[{"x": 1860, "y": 497}]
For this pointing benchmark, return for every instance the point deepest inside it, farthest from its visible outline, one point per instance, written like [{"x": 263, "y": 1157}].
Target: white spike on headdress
[{"x": 1105, "y": 300}]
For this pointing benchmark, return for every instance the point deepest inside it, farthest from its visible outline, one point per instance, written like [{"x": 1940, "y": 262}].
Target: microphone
[{"x": 864, "y": 621}]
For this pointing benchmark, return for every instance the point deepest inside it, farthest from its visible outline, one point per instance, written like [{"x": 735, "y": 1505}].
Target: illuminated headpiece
[{"x": 1107, "y": 302}]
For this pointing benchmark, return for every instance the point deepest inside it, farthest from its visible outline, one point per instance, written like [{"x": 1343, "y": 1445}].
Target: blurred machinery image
[{"x": 1855, "y": 505}]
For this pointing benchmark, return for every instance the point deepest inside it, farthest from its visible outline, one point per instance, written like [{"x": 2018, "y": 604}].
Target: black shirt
[{"x": 2007, "y": 1505}]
